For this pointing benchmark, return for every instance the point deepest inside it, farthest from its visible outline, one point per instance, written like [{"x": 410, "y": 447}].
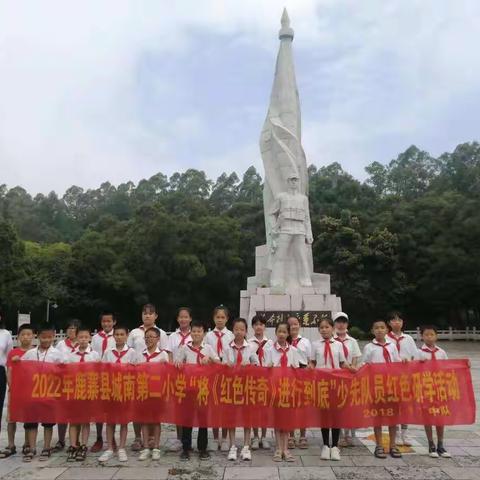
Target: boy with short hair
[
  {"x": 44, "y": 352},
  {"x": 196, "y": 353},
  {"x": 152, "y": 354},
  {"x": 261, "y": 344},
  {"x": 407, "y": 350},
  {"x": 101, "y": 342},
  {"x": 120, "y": 354},
  {"x": 84, "y": 353},
  {"x": 381, "y": 350},
  {"x": 136, "y": 340},
  {"x": 353, "y": 355},
  {"x": 431, "y": 352},
  {"x": 25, "y": 337}
]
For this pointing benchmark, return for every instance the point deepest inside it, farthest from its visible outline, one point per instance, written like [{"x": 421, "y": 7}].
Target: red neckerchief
[
  {"x": 219, "y": 336},
  {"x": 82, "y": 355},
  {"x": 283, "y": 351},
  {"x": 345, "y": 348},
  {"x": 149, "y": 357},
  {"x": 327, "y": 353},
  {"x": 239, "y": 353},
  {"x": 397, "y": 339},
  {"x": 260, "y": 350},
  {"x": 432, "y": 352},
  {"x": 296, "y": 341},
  {"x": 120, "y": 355},
  {"x": 198, "y": 351},
  {"x": 70, "y": 345},
  {"x": 386, "y": 353},
  {"x": 184, "y": 338},
  {"x": 105, "y": 337}
]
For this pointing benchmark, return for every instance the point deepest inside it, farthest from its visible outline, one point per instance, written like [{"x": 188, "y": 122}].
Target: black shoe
[
  {"x": 185, "y": 455},
  {"x": 71, "y": 454},
  {"x": 204, "y": 455},
  {"x": 442, "y": 452},
  {"x": 432, "y": 451}
]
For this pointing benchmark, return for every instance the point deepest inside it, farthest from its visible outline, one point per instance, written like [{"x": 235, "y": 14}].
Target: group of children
[{"x": 191, "y": 344}]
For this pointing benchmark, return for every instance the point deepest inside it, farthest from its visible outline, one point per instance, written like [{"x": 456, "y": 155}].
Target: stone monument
[{"x": 284, "y": 280}]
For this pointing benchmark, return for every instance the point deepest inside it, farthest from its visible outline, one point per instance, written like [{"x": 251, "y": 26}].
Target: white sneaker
[
  {"x": 406, "y": 439},
  {"x": 265, "y": 443},
  {"x": 213, "y": 445},
  {"x": 105, "y": 456},
  {"x": 255, "y": 443},
  {"x": 245, "y": 454},
  {"x": 335, "y": 454},
  {"x": 325, "y": 455},
  {"x": 156, "y": 454},
  {"x": 224, "y": 446},
  {"x": 232, "y": 453},
  {"x": 144, "y": 454},
  {"x": 122, "y": 455}
]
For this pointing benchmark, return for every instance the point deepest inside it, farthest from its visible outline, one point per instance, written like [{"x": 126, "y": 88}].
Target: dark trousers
[
  {"x": 326, "y": 436},
  {"x": 202, "y": 440},
  {"x": 3, "y": 389}
]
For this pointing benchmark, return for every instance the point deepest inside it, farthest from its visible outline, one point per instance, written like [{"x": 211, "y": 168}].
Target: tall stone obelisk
[{"x": 284, "y": 281}]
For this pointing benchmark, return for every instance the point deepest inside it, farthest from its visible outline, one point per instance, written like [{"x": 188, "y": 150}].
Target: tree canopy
[{"x": 406, "y": 238}]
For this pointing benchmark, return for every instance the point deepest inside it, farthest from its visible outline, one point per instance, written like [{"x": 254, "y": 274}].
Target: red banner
[{"x": 429, "y": 393}]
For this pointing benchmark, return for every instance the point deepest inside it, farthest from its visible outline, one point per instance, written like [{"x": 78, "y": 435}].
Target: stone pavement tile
[
  {"x": 35, "y": 473},
  {"x": 426, "y": 461},
  {"x": 474, "y": 451},
  {"x": 459, "y": 473},
  {"x": 361, "y": 473},
  {"x": 360, "y": 450},
  {"x": 88, "y": 473},
  {"x": 267, "y": 461},
  {"x": 252, "y": 473},
  {"x": 453, "y": 433},
  {"x": 311, "y": 450},
  {"x": 306, "y": 473},
  {"x": 310, "y": 461},
  {"x": 460, "y": 442},
  {"x": 466, "y": 462},
  {"x": 141, "y": 473},
  {"x": 203, "y": 472},
  {"x": 411, "y": 472},
  {"x": 371, "y": 461},
  {"x": 8, "y": 465}
]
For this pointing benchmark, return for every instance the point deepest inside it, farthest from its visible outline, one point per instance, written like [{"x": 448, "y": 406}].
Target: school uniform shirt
[
  {"x": 278, "y": 356},
  {"x": 6, "y": 344},
  {"x": 193, "y": 355},
  {"x": 136, "y": 339},
  {"x": 50, "y": 355},
  {"x": 260, "y": 347},
  {"x": 176, "y": 340},
  {"x": 375, "y": 352},
  {"x": 304, "y": 349},
  {"x": 434, "y": 353},
  {"x": 350, "y": 347},
  {"x": 101, "y": 342},
  {"x": 244, "y": 355},
  {"x": 66, "y": 346},
  {"x": 327, "y": 353},
  {"x": 158, "y": 356},
  {"x": 219, "y": 340},
  {"x": 127, "y": 355},
  {"x": 405, "y": 344},
  {"x": 89, "y": 355}
]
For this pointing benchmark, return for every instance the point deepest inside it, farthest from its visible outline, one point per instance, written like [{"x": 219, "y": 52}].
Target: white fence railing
[{"x": 469, "y": 334}]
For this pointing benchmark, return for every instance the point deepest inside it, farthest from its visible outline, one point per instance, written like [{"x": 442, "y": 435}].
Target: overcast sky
[{"x": 120, "y": 90}]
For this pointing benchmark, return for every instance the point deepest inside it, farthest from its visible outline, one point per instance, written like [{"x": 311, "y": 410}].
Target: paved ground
[{"x": 357, "y": 462}]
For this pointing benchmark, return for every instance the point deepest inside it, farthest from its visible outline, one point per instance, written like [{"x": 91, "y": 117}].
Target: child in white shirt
[
  {"x": 82, "y": 354},
  {"x": 282, "y": 355},
  {"x": 240, "y": 352},
  {"x": 380, "y": 350},
  {"x": 120, "y": 354},
  {"x": 261, "y": 344},
  {"x": 219, "y": 338}
]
